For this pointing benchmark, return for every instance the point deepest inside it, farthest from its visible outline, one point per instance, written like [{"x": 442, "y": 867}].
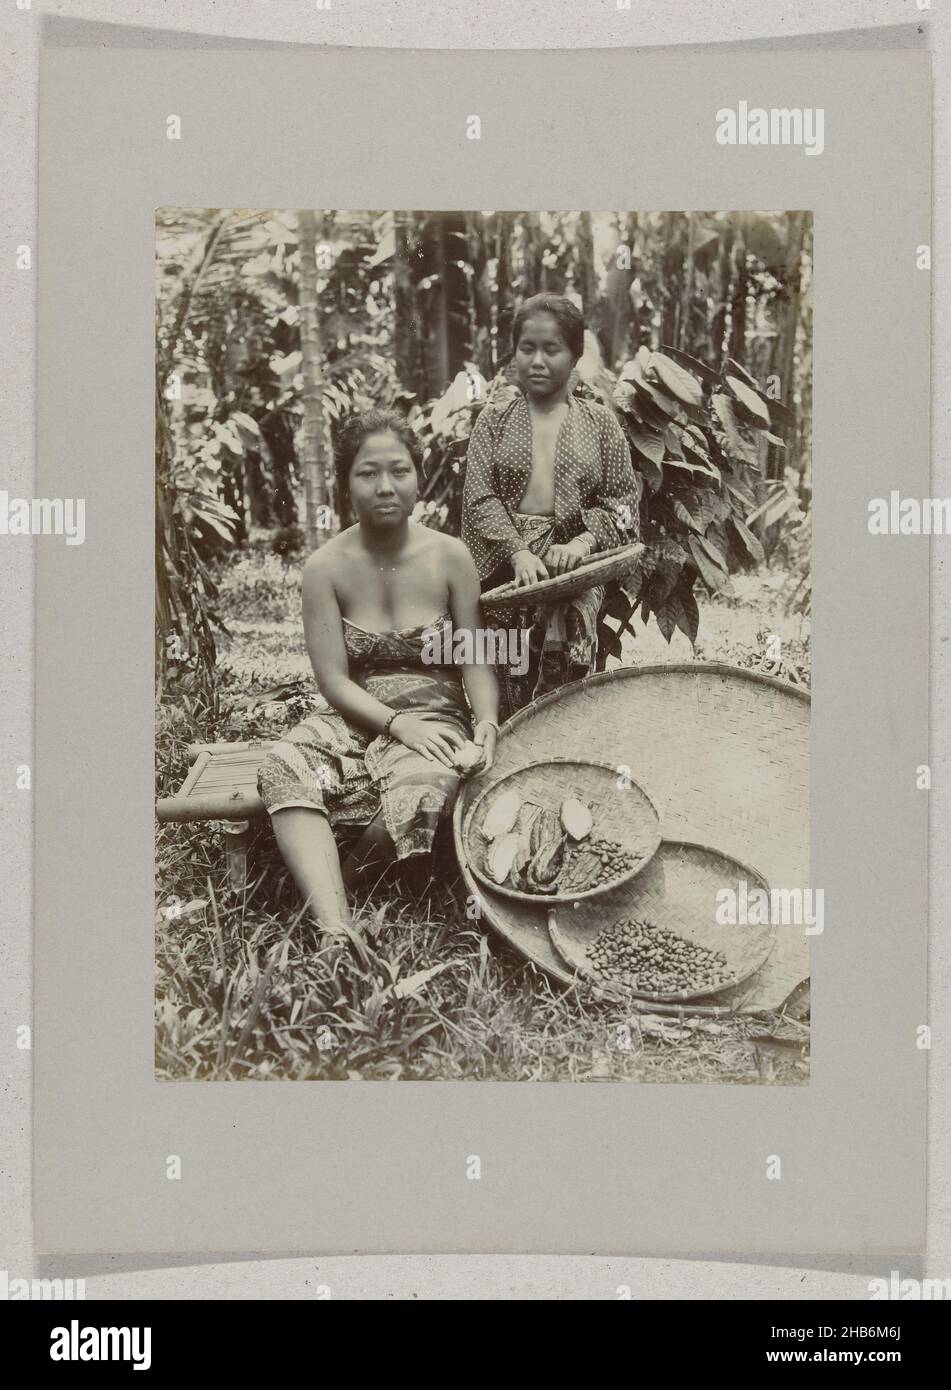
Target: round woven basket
[
  {"x": 677, "y": 891},
  {"x": 601, "y": 568},
  {"x": 623, "y": 813},
  {"x": 724, "y": 755}
]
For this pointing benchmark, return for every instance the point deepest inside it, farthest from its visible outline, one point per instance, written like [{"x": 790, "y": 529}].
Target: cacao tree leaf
[
  {"x": 667, "y": 561},
  {"x": 648, "y": 443},
  {"x": 672, "y": 440},
  {"x": 706, "y": 506},
  {"x": 707, "y": 470},
  {"x": 752, "y": 543},
  {"x": 693, "y": 364},
  {"x": 749, "y": 400},
  {"x": 737, "y": 446},
  {"x": 677, "y": 382},
  {"x": 683, "y": 514},
  {"x": 775, "y": 441},
  {"x": 712, "y": 574},
  {"x": 715, "y": 554},
  {"x": 689, "y": 620},
  {"x": 656, "y": 403},
  {"x": 654, "y": 474},
  {"x": 780, "y": 414},
  {"x": 737, "y": 369},
  {"x": 738, "y": 489},
  {"x": 669, "y": 613}
]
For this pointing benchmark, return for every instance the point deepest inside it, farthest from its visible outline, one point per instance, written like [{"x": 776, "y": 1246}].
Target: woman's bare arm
[{"x": 480, "y": 681}]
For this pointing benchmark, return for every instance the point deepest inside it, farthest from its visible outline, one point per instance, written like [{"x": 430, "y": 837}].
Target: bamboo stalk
[{"x": 313, "y": 459}]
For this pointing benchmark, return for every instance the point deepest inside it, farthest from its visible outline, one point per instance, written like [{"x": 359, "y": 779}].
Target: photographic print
[{"x": 483, "y": 601}]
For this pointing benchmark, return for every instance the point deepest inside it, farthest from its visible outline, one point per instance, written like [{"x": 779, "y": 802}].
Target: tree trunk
[
  {"x": 739, "y": 291},
  {"x": 718, "y": 329},
  {"x": 506, "y": 307},
  {"x": 314, "y": 445},
  {"x": 587, "y": 272},
  {"x": 683, "y": 322},
  {"x": 439, "y": 363},
  {"x": 406, "y": 328},
  {"x": 786, "y": 363}
]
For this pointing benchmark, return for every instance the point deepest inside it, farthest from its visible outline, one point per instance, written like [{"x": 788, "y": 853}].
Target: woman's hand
[
  {"x": 484, "y": 736},
  {"x": 562, "y": 558},
  {"x": 528, "y": 568},
  {"x": 434, "y": 741}
]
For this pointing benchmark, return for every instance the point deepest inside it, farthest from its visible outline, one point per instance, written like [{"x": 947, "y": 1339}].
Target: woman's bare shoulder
[
  {"x": 450, "y": 550},
  {"x": 322, "y": 567},
  {"x": 323, "y": 560}
]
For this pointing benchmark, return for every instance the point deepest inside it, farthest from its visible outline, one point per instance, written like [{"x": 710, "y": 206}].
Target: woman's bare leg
[
  {"x": 372, "y": 853},
  {"x": 306, "y": 841}
]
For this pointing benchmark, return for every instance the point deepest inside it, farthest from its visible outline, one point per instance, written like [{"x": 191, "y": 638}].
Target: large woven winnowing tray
[{"x": 723, "y": 753}]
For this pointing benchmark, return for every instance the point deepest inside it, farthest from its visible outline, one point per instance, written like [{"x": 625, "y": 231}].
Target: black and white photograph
[{"x": 483, "y": 599}]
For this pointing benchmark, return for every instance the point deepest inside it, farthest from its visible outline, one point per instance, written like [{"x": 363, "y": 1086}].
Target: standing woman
[
  {"x": 377, "y": 751},
  {"x": 549, "y": 481}
]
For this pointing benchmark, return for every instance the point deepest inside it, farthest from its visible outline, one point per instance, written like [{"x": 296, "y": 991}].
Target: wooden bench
[{"x": 222, "y": 785}]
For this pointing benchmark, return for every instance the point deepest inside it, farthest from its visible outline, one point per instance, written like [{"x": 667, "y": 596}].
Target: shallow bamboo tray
[
  {"x": 723, "y": 753},
  {"x": 628, "y": 816},
  {"x": 602, "y": 567},
  {"x": 677, "y": 891}
]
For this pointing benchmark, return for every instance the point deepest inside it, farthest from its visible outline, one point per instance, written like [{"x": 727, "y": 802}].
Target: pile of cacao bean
[{"x": 647, "y": 957}]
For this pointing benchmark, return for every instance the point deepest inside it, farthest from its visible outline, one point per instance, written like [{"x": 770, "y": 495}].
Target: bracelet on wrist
[{"x": 396, "y": 713}]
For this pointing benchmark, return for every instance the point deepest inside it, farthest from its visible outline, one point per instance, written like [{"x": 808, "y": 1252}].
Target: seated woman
[
  {"x": 548, "y": 481},
  {"x": 377, "y": 751}
]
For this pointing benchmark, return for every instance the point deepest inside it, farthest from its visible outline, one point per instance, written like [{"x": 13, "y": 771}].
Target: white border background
[{"x": 420, "y": 24}]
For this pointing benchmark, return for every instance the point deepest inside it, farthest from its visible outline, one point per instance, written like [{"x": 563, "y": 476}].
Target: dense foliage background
[{"x": 272, "y": 326}]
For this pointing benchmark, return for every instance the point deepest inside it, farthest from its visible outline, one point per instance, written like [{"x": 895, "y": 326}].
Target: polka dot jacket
[{"x": 595, "y": 488}]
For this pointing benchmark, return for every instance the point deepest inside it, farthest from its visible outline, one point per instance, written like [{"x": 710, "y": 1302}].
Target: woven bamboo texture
[
  {"x": 601, "y": 568},
  {"x": 677, "y": 891},
  {"x": 626, "y": 815},
  {"x": 222, "y": 784},
  {"x": 723, "y": 753}
]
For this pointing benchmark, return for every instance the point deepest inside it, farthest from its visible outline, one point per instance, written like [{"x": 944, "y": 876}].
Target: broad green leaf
[
  {"x": 712, "y": 575},
  {"x": 649, "y": 444},
  {"x": 689, "y": 620},
  {"x": 684, "y": 515},
  {"x": 735, "y": 368},
  {"x": 749, "y": 400},
  {"x": 708, "y": 471},
  {"x": 715, "y": 554},
  {"x": 693, "y": 364},
  {"x": 672, "y": 438},
  {"x": 680, "y": 384},
  {"x": 750, "y": 541}
]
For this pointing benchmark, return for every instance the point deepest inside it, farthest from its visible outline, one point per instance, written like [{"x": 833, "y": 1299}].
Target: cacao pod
[{"x": 501, "y": 815}]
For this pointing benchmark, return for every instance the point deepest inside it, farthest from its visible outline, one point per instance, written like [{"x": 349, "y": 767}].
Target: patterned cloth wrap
[
  {"x": 326, "y": 763},
  {"x": 595, "y": 492},
  {"x": 563, "y": 637}
]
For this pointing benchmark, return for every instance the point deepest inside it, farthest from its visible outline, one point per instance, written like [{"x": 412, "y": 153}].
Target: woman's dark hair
[
  {"x": 568, "y": 316},
  {"x": 359, "y": 428}
]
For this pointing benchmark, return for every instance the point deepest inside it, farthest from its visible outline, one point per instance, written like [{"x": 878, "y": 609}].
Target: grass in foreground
[{"x": 244, "y": 992}]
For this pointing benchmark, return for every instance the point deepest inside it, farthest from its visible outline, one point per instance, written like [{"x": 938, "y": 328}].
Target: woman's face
[
  {"x": 383, "y": 483},
  {"x": 543, "y": 360}
]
